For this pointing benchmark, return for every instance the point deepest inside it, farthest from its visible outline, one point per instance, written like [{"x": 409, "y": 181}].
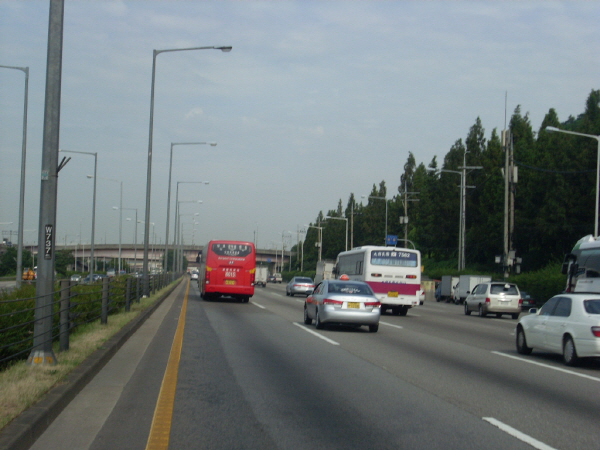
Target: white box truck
[
  {"x": 260, "y": 278},
  {"x": 466, "y": 283},
  {"x": 324, "y": 271},
  {"x": 447, "y": 288}
]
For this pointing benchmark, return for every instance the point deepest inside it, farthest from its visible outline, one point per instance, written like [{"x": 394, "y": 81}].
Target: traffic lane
[
  {"x": 211, "y": 411},
  {"x": 307, "y": 393},
  {"x": 129, "y": 423},
  {"x": 466, "y": 371}
]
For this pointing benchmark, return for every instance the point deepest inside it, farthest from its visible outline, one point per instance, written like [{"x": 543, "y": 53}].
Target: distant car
[
  {"x": 271, "y": 279},
  {"x": 528, "y": 301},
  {"x": 494, "y": 298},
  {"x": 194, "y": 275},
  {"x": 76, "y": 278},
  {"x": 299, "y": 285},
  {"x": 110, "y": 273},
  {"x": 278, "y": 278},
  {"x": 87, "y": 280},
  {"x": 567, "y": 324},
  {"x": 342, "y": 302}
]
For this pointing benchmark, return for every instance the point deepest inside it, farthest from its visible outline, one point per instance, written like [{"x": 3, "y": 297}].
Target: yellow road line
[{"x": 160, "y": 431}]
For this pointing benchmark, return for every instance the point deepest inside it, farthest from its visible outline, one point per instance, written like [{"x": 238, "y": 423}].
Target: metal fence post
[
  {"x": 104, "y": 313},
  {"x": 128, "y": 295},
  {"x": 137, "y": 289},
  {"x": 65, "y": 306}
]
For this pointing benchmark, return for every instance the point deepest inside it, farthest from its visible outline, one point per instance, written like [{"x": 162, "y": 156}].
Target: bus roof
[{"x": 586, "y": 242}]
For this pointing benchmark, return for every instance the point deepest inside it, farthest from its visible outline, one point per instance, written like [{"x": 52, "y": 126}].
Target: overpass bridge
[{"x": 134, "y": 254}]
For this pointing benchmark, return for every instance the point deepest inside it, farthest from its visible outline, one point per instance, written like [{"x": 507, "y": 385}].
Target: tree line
[{"x": 554, "y": 198}]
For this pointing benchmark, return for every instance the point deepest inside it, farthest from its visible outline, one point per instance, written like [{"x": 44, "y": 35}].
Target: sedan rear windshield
[
  {"x": 501, "y": 288},
  {"x": 592, "y": 306},
  {"x": 303, "y": 280},
  {"x": 350, "y": 288}
]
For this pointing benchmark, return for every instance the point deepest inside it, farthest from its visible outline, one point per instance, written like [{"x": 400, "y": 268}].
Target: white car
[
  {"x": 494, "y": 298},
  {"x": 567, "y": 324},
  {"x": 194, "y": 275}
]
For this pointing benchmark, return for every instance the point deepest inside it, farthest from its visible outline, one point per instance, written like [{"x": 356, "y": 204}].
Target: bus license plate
[
  {"x": 229, "y": 281},
  {"x": 354, "y": 305},
  {"x": 392, "y": 294}
]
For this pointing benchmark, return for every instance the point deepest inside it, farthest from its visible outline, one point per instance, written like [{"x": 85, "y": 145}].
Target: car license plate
[
  {"x": 392, "y": 294},
  {"x": 354, "y": 305},
  {"x": 229, "y": 281}
]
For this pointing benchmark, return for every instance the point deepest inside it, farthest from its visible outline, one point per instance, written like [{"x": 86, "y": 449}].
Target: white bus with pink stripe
[{"x": 393, "y": 273}]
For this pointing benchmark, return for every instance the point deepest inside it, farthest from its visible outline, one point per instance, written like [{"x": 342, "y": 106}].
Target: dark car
[{"x": 528, "y": 301}]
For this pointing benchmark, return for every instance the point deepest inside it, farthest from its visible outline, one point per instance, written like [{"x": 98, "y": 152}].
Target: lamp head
[
  {"x": 552, "y": 129},
  {"x": 224, "y": 49}
]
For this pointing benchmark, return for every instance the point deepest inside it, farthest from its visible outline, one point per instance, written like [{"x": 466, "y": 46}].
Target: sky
[{"x": 316, "y": 100}]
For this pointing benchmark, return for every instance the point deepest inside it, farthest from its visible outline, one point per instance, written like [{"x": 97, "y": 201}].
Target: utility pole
[
  {"x": 463, "y": 210},
  {"x": 42, "y": 353},
  {"x": 510, "y": 179},
  {"x": 404, "y": 219}
]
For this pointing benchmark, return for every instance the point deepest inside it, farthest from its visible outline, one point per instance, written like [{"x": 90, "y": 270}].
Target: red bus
[{"x": 228, "y": 269}]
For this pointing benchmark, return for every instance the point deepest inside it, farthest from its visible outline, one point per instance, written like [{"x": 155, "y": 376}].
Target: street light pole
[
  {"x": 212, "y": 144},
  {"x": 177, "y": 210},
  {"x": 120, "y": 208},
  {"x": 19, "y": 278},
  {"x": 135, "y": 233},
  {"x": 597, "y": 169},
  {"x": 155, "y": 53},
  {"x": 95, "y": 155},
  {"x": 341, "y": 218}
]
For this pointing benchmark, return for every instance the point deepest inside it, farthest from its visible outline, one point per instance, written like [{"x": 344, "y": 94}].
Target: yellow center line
[{"x": 160, "y": 431}]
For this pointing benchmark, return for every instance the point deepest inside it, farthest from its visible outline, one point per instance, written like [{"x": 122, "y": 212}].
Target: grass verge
[{"x": 21, "y": 385}]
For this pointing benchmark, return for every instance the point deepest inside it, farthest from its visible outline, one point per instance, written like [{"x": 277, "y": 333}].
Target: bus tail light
[
  {"x": 596, "y": 331},
  {"x": 376, "y": 275},
  {"x": 412, "y": 277}
]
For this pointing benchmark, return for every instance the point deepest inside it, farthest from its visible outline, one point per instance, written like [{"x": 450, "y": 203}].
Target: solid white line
[
  {"x": 519, "y": 435},
  {"x": 559, "y": 369},
  {"x": 260, "y": 306},
  {"x": 390, "y": 325},
  {"x": 308, "y": 330}
]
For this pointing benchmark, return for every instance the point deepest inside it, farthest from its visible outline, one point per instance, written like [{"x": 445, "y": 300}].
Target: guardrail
[{"x": 73, "y": 305}]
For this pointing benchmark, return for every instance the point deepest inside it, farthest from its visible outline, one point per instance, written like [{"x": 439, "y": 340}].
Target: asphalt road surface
[{"x": 253, "y": 376}]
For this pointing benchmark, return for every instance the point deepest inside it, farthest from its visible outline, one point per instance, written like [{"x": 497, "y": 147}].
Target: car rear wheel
[
  {"x": 515, "y": 316},
  {"x": 318, "y": 323},
  {"x": 481, "y": 313},
  {"x": 373, "y": 328},
  {"x": 307, "y": 320},
  {"x": 403, "y": 310},
  {"x": 467, "y": 310},
  {"x": 522, "y": 342},
  {"x": 569, "y": 352}
]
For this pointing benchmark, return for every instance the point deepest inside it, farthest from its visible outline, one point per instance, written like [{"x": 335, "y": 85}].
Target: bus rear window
[
  {"x": 394, "y": 258},
  {"x": 240, "y": 250}
]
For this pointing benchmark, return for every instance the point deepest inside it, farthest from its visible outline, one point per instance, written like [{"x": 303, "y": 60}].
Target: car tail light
[
  {"x": 520, "y": 302},
  {"x": 596, "y": 331},
  {"x": 487, "y": 300},
  {"x": 329, "y": 301},
  {"x": 374, "y": 304}
]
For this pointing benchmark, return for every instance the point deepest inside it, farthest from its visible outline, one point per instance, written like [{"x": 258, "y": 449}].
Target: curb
[{"x": 25, "y": 429}]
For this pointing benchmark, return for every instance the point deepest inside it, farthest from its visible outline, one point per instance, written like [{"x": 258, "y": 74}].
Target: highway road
[{"x": 253, "y": 376}]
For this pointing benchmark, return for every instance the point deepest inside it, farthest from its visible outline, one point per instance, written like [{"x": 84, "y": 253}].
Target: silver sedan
[{"x": 342, "y": 302}]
